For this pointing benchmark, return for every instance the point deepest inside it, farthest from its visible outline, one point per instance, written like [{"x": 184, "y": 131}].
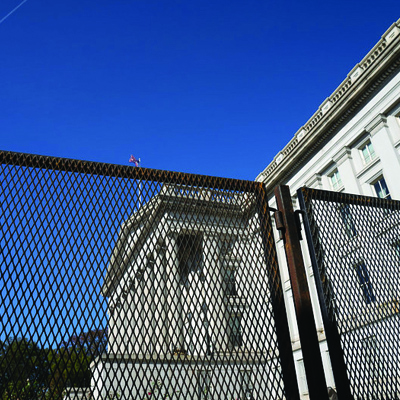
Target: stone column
[
  {"x": 384, "y": 148},
  {"x": 138, "y": 317},
  {"x": 130, "y": 315},
  {"x": 148, "y": 314},
  {"x": 214, "y": 294},
  {"x": 174, "y": 307},
  {"x": 126, "y": 321},
  {"x": 344, "y": 163},
  {"x": 115, "y": 324},
  {"x": 137, "y": 307},
  {"x": 160, "y": 332}
]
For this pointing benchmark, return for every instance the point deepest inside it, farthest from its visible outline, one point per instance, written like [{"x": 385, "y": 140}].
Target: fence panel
[
  {"x": 128, "y": 283},
  {"x": 354, "y": 243}
]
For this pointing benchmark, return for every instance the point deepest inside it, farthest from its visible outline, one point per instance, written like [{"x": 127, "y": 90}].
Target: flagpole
[
  {"x": 132, "y": 159},
  {"x": 140, "y": 188}
]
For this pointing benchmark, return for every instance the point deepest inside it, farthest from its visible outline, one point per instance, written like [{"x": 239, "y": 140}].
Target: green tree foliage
[
  {"x": 24, "y": 370},
  {"x": 28, "y": 372},
  {"x": 70, "y": 365},
  {"x": 92, "y": 343},
  {"x": 69, "y": 368}
]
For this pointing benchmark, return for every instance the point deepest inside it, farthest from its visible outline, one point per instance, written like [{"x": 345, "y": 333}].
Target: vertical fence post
[
  {"x": 278, "y": 303},
  {"x": 331, "y": 332},
  {"x": 304, "y": 313}
]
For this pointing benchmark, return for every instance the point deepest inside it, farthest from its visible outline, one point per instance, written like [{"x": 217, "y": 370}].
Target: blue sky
[{"x": 211, "y": 87}]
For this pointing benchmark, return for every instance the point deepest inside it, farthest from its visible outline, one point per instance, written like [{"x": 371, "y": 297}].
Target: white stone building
[
  {"x": 188, "y": 294},
  {"x": 350, "y": 144}
]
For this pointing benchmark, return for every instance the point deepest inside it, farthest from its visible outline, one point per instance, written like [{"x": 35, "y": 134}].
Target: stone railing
[{"x": 201, "y": 194}]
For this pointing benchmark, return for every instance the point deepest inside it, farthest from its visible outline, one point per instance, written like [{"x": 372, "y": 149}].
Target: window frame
[
  {"x": 371, "y": 155},
  {"x": 338, "y": 183},
  {"x": 235, "y": 335},
  {"x": 231, "y": 289},
  {"x": 396, "y": 247},
  {"x": 365, "y": 283},
  {"x": 347, "y": 219},
  {"x": 371, "y": 351},
  {"x": 379, "y": 182},
  {"x": 246, "y": 383},
  {"x": 190, "y": 255},
  {"x": 205, "y": 387}
]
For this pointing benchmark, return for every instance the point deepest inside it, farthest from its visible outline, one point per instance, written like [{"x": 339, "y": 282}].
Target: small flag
[{"x": 135, "y": 161}]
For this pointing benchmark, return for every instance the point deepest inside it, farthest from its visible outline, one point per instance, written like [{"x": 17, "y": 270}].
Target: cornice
[{"x": 366, "y": 77}]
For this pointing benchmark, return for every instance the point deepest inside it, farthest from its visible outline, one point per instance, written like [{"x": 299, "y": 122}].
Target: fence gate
[
  {"x": 128, "y": 283},
  {"x": 354, "y": 243}
]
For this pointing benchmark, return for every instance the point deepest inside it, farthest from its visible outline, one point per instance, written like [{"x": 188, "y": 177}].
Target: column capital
[
  {"x": 379, "y": 122},
  {"x": 342, "y": 155},
  {"x": 314, "y": 182}
]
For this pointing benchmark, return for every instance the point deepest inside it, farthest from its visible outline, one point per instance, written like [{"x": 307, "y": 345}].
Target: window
[
  {"x": 347, "y": 219},
  {"x": 397, "y": 248},
  {"x": 205, "y": 386},
  {"x": 381, "y": 189},
  {"x": 150, "y": 262},
  {"x": 336, "y": 181},
  {"x": 124, "y": 293},
  {"x": 230, "y": 281},
  {"x": 227, "y": 246},
  {"x": 246, "y": 384},
  {"x": 365, "y": 283},
  {"x": 235, "y": 335},
  {"x": 368, "y": 153},
  {"x": 205, "y": 323},
  {"x": 371, "y": 354},
  {"x": 190, "y": 255},
  {"x": 139, "y": 275},
  {"x": 370, "y": 349}
]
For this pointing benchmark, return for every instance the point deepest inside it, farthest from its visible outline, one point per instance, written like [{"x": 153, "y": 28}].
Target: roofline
[
  {"x": 380, "y": 62},
  {"x": 192, "y": 198}
]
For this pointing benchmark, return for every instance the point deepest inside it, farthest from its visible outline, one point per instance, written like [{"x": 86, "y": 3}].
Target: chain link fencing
[
  {"x": 127, "y": 283},
  {"x": 354, "y": 243}
]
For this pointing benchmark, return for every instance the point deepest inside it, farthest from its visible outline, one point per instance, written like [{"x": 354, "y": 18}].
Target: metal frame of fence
[
  {"x": 290, "y": 228},
  {"x": 354, "y": 243},
  {"x": 123, "y": 282},
  {"x": 75, "y": 233}
]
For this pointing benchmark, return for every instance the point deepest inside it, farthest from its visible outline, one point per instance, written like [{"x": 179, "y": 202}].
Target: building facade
[
  {"x": 181, "y": 291},
  {"x": 350, "y": 144},
  {"x": 187, "y": 291}
]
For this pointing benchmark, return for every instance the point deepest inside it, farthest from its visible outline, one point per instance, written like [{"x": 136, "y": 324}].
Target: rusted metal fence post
[
  {"x": 331, "y": 330},
  {"x": 316, "y": 381},
  {"x": 278, "y": 303}
]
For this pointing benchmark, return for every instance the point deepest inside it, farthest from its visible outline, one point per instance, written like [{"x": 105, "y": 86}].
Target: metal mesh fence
[
  {"x": 127, "y": 283},
  {"x": 356, "y": 253}
]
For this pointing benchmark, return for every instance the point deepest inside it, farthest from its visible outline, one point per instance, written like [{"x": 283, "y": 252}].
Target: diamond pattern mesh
[
  {"x": 357, "y": 248},
  {"x": 126, "y": 283}
]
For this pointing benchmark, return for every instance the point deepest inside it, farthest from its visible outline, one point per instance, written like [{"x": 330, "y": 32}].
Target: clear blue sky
[{"x": 214, "y": 87}]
